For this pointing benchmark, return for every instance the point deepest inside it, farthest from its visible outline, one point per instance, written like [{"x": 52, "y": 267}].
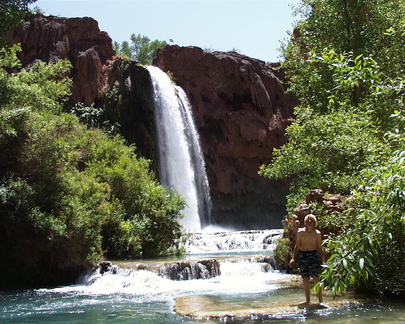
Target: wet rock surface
[
  {"x": 204, "y": 307},
  {"x": 189, "y": 270}
]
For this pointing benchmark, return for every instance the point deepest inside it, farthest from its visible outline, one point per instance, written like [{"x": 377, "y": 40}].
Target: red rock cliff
[
  {"x": 96, "y": 69},
  {"x": 76, "y": 39},
  {"x": 240, "y": 106},
  {"x": 241, "y": 110}
]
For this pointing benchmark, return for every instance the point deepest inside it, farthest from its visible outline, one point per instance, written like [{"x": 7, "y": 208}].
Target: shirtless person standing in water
[{"x": 309, "y": 248}]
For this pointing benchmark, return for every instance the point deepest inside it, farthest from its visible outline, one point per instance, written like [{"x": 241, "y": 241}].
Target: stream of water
[
  {"x": 128, "y": 295},
  {"x": 181, "y": 162},
  {"x": 235, "y": 269}
]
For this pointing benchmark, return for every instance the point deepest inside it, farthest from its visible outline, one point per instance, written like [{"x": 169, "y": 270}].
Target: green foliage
[
  {"x": 346, "y": 95},
  {"x": 323, "y": 153},
  {"x": 123, "y": 49},
  {"x": 142, "y": 48},
  {"x": 357, "y": 26},
  {"x": 369, "y": 255},
  {"x": 40, "y": 88},
  {"x": 12, "y": 13},
  {"x": 95, "y": 117},
  {"x": 345, "y": 64},
  {"x": 282, "y": 253},
  {"x": 359, "y": 30},
  {"x": 70, "y": 193}
]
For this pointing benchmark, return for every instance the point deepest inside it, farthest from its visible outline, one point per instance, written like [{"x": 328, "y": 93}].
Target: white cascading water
[
  {"x": 181, "y": 162},
  {"x": 235, "y": 275},
  {"x": 149, "y": 291},
  {"x": 257, "y": 241}
]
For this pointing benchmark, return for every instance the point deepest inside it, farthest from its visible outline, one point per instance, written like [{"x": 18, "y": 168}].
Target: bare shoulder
[{"x": 300, "y": 231}]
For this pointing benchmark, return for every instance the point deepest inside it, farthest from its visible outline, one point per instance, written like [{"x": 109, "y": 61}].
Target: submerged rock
[{"x": 203, "y": 307}]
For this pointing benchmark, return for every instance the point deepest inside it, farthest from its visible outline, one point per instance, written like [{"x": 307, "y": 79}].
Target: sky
[{"x": 251, "y": 27}]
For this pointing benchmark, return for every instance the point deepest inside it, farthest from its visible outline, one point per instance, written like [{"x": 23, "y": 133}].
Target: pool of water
[
  {"x": 128, "y": 295},
  {"x": 57, "y": 306},
  {"x": 144, "y": 297}
]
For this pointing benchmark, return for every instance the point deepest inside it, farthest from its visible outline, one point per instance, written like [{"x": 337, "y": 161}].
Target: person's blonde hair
[{"x": 313, "y": 218}]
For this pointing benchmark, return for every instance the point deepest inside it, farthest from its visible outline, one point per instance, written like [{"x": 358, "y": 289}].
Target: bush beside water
[{"x": 69, "y": 193}]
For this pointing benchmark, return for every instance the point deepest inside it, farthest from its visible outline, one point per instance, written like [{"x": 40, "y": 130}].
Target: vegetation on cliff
[
  {"x": 12, "y": 12},
  {"x": 69, "y": 193},
  {"x": 141, "y": 49},
  {"x": 346, "y": 64}
]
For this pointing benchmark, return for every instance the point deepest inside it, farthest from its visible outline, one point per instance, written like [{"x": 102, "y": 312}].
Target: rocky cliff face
[
  {"x": 76, "y": 39},
  {"x": 99, "y": 76},
  {"x": 241, "y": 110},
  {"x": 240, "y": 106}
]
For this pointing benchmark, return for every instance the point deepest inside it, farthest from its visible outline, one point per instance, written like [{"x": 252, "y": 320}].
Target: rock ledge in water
[
  {"x": 189, "y": 270},
  {"x": 202, "y": 307},
  {"x": 177, "y": 270}
]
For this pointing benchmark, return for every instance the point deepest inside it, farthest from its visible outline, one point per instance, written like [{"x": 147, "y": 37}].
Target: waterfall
[
  {"x": 181, "y": 162},
  {"x": 259, "y": 241}
]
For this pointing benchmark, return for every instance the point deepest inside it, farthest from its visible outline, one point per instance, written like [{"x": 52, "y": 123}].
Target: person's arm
[
  {"x": 319, "y": 247},
  {"x": 296, "y": 249}
]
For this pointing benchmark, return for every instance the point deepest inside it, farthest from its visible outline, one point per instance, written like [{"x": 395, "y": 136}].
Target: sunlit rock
[
  {"x": 204, "y": 307},
  {"x": 189, "y": 270},
  {"x": 241, "y": 110}
]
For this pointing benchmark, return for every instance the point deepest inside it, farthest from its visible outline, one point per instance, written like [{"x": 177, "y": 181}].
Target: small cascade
[
  {"x": 241, "y": 241},
  {"x": 181, "y": 162},
  {"x": 118, "y": 280},
  {"x": 190, "y": 270},
  {"x": 159, "y": 274},
  {"x": 225, "y": 268}
]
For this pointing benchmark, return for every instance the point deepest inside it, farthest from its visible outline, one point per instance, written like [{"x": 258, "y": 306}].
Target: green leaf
[
  {"x": 361, "y": 263},
  {"x": 344, "y": 261}
]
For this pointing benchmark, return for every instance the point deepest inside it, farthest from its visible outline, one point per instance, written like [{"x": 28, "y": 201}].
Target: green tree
[
  {"x": 343, "y": 26},
  {"x": 142, "y": 48},
  {"x": 369, "y": 255},
  {"x": 334, "y": 72},
  {"x": 42, "y": 81},
  {"x": 328, "y": 149},
  {"x": 12, "y": 13},
  {"x": 123, "y": 49},
  {"x": 70, "y": 193},
  {"x": 347, "y": 135}
]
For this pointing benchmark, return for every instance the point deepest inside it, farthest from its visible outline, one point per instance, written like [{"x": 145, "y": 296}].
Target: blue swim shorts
[{"x": 309, "y": 264}]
